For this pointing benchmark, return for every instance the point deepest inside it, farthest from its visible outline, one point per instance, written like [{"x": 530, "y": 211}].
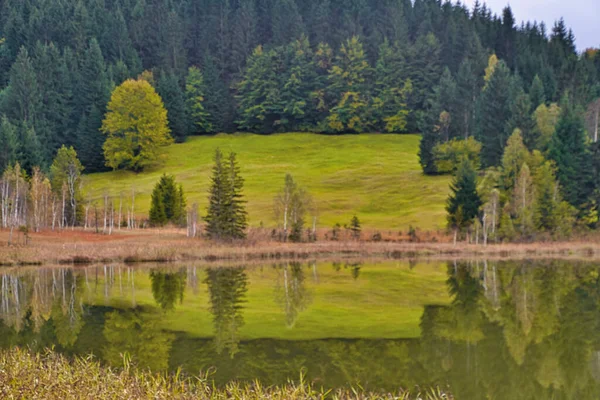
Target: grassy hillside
[{"x": 377, "y": 177}]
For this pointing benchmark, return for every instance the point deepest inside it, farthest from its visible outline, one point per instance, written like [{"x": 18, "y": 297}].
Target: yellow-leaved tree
[{"x": 137, "y": 127}]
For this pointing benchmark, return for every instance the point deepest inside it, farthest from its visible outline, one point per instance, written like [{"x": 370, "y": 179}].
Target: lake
[{"x": 503, "y": 330}]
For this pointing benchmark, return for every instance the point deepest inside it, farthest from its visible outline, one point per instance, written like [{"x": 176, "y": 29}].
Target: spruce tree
[
  {"x": 259, "y": 93},
  {"x": 32, "y": 154},
  {"x": 464, "y": 201},
  {"x": 218, "y": 103},
  {"x": 298, "y": 110},
  {"x": 568, "y": 149},
  {"x": 216, "y": 217},
  {"x": 348, "y": 85},
  {"x": 467, "y": 90},
  {"x": 56, "y": 92},
  {"x": 9, "y": 143},
  {"x": 521, "y": 116},
  {"x": 226, "y": 216},
  {"x": 537, "y": 93},
  {"x": 244, "y": 34},
  {"x": 168, "y": 202},
  {"x": 237, "y": 215},
  {"x": 492, "y": 115},
  {"x": 172, "y": 95},
  {"x": 287, "y": 22},
  {"x": 392, "y": 90},
  {"x": 91, "y": 96},
  {"x": 195, "y": 89}
]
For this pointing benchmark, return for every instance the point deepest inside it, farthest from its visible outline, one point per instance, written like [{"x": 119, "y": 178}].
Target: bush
[{"x": 448, "y": 156}]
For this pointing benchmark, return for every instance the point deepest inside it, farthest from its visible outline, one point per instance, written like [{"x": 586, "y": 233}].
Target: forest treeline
[{"x": 265, "y": 66}]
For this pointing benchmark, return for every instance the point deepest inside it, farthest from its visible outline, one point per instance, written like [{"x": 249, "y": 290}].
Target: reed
[{"x": 49, "y": 375}]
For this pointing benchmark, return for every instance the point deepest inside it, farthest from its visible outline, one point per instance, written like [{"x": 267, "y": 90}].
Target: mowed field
[{"x": 375, "y": 176}]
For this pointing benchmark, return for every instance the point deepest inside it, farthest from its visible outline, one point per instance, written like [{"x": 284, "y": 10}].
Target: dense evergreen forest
[
  {"x": 467, "y": 79},
  {"x": 267, "y": 65}
]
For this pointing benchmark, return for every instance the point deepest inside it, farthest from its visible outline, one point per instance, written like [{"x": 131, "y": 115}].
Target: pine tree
[
  {"x": 216, "y": 216},
  {"x": 569, "y": 151},
  {"x": 464, "y": 201},
  {"x": 437, "y": 122},
  {"x": 55, "y": 85},
  {"x": 521, "y": 115},
  {"x": 172, "y": 96},
  {"x": 287, "y": 22},
  {"x": 392, "y": 90},
  {"x": 226, "y": 216},
  {"x": 259, "y": 93},
  {"x": 9, "y": 144},
  {"x": 195, "y": 89},
  {"x": 218, "y": 103},
  {"x": 348, "y": 80},
  {"x": 32, "y": 154},
  {"x": 244, "y": 34},
  {"x": 424, "y": 71},
  {"x": 467, "y": 90},
  {"x": 167, "y": 202},
  {"x": 300, "y": 81},
  {"x": 492, "y": 115},
  {"x": 237, "y": 219},
  {"x": 355, "y": 227},
  {"x": 537, "y": 93},
  {"x": 91, "y": 96}
]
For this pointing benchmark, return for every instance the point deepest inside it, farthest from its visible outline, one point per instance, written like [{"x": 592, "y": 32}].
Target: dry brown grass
[
  {"x": 25, "y": 375},
  {"x": 170, "y": 245}
]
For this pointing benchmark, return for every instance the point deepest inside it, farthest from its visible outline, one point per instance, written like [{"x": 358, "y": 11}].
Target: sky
[{"x": 583, "y": 16}]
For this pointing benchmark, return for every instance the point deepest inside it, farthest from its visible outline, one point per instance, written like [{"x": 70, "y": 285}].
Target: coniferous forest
[{"x": 471, "y": 81}]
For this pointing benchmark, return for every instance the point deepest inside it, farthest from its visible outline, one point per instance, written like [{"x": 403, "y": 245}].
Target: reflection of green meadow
[
  {"x": 377, "y": 177},
  {"x": 384, "y": 301}
]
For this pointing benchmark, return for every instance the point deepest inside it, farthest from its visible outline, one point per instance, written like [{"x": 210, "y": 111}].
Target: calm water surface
[{"x": 501, "y": 330}]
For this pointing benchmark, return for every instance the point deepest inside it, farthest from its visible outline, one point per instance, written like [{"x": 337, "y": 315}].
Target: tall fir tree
[
  {"x": 568, "y": 149},
  {"x": 170, "y": 91},
  {"x": 226, "y": 217},
  {"x": 91, "y": 96},
  {"x": 244, "y": 34},
  {"x": 9, "y": 143},
  {"x": 199, "y": 119},
  {"x": 299, "y": 82},
  {"x": 537, "y": 93},
  {"x": 464, "y": 201},
  {"x": 219, "y": 102},
  {"x": 259, "y": 93},
  {"x": 492, "y": 115}
]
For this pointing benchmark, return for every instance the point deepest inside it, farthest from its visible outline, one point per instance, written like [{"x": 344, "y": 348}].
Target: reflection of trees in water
[
  {"x": 67, "y": 310},
  {"x": 227, "y": 289},
  {"x": 137, "y": 333},
  {"x": 168, "y": 287},
  {"x": 48, "y": 294},
  {"x": 291, "y": 292},
  {"x": 516, "y": 331}
]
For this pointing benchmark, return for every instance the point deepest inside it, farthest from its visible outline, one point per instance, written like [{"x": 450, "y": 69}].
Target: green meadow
[{"x": 375, "y": 176}]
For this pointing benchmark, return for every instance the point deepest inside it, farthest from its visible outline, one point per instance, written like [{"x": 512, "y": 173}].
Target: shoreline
[{"x": 80, "y": 247}]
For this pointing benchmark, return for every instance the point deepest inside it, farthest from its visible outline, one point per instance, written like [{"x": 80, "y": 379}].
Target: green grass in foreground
[
  {"x": 52, "y": 376},
  {"x": 375, "y": 176}
]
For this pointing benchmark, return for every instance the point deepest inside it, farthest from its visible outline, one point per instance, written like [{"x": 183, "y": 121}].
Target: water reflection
[
  {"x": 291, "y": 292},
  {"x": 227, "y": 289},
  {"x": 168, "y": 287},
  {"x": 502, "y": 330}
]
